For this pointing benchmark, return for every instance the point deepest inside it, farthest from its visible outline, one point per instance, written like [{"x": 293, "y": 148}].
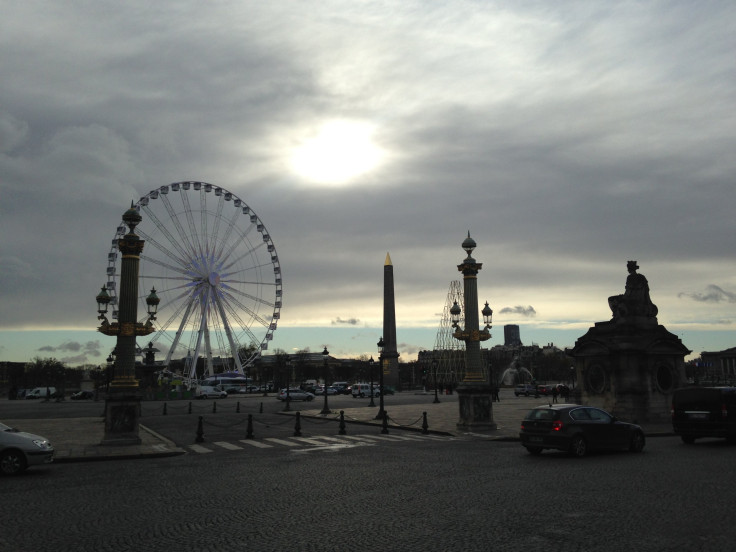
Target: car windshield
[{"x": 3, "y": 427}]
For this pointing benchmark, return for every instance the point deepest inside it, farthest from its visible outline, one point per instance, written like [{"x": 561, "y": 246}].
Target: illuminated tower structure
[{"x": 390, "y": 354}]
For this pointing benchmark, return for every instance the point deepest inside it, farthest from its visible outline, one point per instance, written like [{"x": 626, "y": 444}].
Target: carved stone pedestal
[
  {"x": 122, "y": 413},
  {"x": 476, "y": 410}
]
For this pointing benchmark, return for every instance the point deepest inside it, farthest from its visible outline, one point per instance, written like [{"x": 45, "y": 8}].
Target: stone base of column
[
  {"x": 122, "y": 416},
  {"x": 476, "y": 410}
]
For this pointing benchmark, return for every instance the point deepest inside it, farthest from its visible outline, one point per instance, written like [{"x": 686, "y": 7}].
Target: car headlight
[{"x": 45, "y": 445}]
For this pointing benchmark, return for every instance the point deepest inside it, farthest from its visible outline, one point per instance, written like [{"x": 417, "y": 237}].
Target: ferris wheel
[{"x": 215, "y": 269}]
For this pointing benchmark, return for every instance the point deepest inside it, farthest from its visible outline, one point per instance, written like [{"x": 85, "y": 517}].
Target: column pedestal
[
  {"x": 476, "y": 412},
  {"x": 122, "y": 414}
]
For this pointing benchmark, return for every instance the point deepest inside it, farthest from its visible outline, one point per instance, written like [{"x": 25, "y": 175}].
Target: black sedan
[{"x": 577, "y": 429}]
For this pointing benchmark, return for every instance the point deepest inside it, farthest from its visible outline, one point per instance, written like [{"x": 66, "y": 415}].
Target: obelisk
[{"x": 390, "y": 354}]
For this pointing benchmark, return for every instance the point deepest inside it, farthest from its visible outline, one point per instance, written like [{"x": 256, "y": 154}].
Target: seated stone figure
[{"x": 635, "y": 301}]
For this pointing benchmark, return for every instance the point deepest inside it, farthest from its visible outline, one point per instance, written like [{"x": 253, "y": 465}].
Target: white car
[
  {"x": 295, "y": 395},
  {"x": 321, "y": 389},
  {"x": 18, "y": 450},
  {"x": 210, "y": 392}
]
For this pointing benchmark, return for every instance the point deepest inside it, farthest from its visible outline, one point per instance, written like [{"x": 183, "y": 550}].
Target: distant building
[
  {"x": 716, "y": 367},
  {"x": 511, "y": 335}
]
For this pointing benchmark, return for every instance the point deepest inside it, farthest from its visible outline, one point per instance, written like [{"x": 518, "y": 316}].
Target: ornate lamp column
[
  {"x": 122, "y": 405},
  {"x": 370, "y": 364},
  {"x": 326, "y": 407},
  {"x": 474, "y": 392},
  {"x": 382, "y": 359}
]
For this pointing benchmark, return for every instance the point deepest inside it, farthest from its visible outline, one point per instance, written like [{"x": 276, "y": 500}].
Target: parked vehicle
[
  {"x": 210, "y": 392},
  {"x": 364, "y": 390},
  {"x": 525, "y": 389},
  {"x": 577, "y": 430},
  {"x": 544, "y": 390},
  {"x": 82, "y": 396},
  {"x": 295, "y": 394},
  {"x": 321, "y": 390},
  {"x": 704, "y": 412},
  {"x": 18, "y": 450},
  {"x": 41, "y": 393},
  {"x": 342, "y": 387}
]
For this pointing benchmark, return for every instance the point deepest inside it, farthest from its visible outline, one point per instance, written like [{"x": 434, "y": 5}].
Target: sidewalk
[{"x": 78, "y": 439}]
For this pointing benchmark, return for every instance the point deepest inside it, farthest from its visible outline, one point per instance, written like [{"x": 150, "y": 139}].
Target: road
[{"x": 406, "y": 492}]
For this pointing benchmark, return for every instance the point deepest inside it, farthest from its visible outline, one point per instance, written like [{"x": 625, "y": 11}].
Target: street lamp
[
  {"x": 287, "y": 408},
  {"x": 434, "y": 369},
  {"x": 325, "y": 408},
  {"x": 123, "y": 407},
  {"x": 381, "y": 412},
  {"x": 370, "y": 364},
  {"x": 476, "y": 410}
]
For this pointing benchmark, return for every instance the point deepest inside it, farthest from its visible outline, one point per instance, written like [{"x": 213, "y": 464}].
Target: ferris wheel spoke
[
  {"x": 187, "y": 307},
  {"x": 177, "y": 224},
  {"x": 164, "y": 230},
  {"x": 180, "y": 269},
  {"x": 190, "y": 221},
  {"x": 162, "y": 248},
  {"x": 254, "y": 315},
  {"x": 242, "y": 238},
  {"x": 228, "y": 333},
  {"x": 248, "y": 296},
  {"x": 246, "y": 254},
  {"x": 216, "y": 224},
  {"x": 228, "y": 232}
]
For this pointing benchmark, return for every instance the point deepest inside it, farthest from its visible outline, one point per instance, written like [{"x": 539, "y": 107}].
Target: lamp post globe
[{"x": 370, "y": 364}]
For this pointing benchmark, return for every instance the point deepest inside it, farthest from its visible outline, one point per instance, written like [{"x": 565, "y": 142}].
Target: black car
[
  {"x": 704, "y": 412},
  {"x": 82, "y": 396},
  {"x": 577, "y": 429}
]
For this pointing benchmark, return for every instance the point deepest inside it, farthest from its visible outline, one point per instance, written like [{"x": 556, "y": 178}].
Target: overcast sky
[{"x": 567, "y": 137}]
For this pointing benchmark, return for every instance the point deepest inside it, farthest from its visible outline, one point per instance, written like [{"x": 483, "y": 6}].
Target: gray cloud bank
[{"x": 567, "y": 137}]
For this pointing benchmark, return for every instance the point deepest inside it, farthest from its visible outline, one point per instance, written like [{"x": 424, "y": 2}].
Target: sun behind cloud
[{"x": 337, "y": 153}]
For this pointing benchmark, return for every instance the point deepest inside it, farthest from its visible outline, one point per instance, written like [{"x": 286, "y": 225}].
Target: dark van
[{"x": 704, "y": 412}]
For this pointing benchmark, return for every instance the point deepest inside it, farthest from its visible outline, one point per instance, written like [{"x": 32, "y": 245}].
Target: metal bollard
[
  {"x": 298, "y": 426},
  {"x": 342, "y": 423},
  {"x": 214, "y": 407},
  {"x": 237, "y": 408},
  {"x": 165, "y": 411},
  {"x": 261, "y": 410},
  {"x": 200, "y": 431},
  {"x": 190, "y": 407},
  {"x": 425, "y": 425},
  {"x": 249, "y": 435},
  {"x": 385, "y": 423}
]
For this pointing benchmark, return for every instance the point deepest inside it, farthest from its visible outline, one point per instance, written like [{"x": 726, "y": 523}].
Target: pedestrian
[
  {"x": 554, "y": 394},
  {"x": 495, "y": 395}
]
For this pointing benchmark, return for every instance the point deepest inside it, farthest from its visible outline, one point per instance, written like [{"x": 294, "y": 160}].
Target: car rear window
[{"x": 541, "y": 414}]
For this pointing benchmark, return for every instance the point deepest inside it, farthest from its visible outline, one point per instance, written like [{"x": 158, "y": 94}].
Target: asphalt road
[{"x": 404, "y": 493}]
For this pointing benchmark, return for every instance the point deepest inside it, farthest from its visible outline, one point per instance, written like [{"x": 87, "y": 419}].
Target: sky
[{"x": 566, "y": 137}]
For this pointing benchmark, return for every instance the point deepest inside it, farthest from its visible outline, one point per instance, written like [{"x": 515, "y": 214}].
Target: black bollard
[
  {"x": 165, "y": 409},
  {"x": 425, "y": 425},
  {"x": 237, "y": 408},
  {"x": 190, "y": 407},
  {"x": 342, "y": 423},
  {"x": 214, "y": 407},
  {"x": 261, "y": 410},
  {"x": 385, "y": 423},
  {"x": 249, "y": 435},
  {"x": 200, "y": 431},
  {"x": 298, "y": 426}
]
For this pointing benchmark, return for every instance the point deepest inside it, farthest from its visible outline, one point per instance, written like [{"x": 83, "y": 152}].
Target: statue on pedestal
[{"x": 635, "y": 300}]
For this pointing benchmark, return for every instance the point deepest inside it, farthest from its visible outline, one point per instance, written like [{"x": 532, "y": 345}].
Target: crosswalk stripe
[
  {"x": 282, "y": 442},
  {"x": 199, "y": 448},
  {"x": 257, "y": 444},
  {"x": 310, "y": 441},
  {"x": 226, "y": 445}
]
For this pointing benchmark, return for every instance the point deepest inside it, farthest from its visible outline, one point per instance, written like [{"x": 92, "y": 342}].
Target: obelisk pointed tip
[{"x": 388, "y": 260}]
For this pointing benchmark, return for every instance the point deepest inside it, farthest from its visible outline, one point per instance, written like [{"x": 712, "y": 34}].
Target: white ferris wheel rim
[{"x": 216, "y": 271}]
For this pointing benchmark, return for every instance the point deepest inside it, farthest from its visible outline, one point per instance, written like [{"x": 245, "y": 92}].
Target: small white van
[
  {"x": 364, "y": 390},
  {"x": 41, "y": 392}
]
